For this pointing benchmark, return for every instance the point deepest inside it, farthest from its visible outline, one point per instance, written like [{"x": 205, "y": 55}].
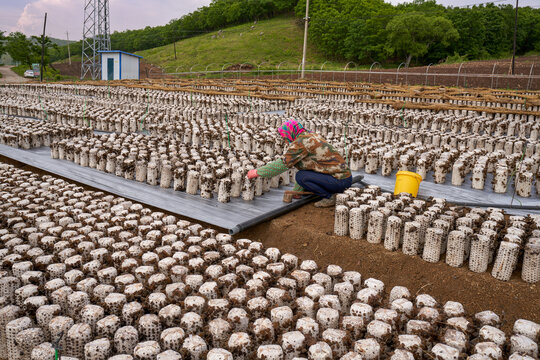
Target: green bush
[
  {"x": 51, "y": 74},
  {"x": 456, "y": 58},
  {"x": 374, "y": 30}
]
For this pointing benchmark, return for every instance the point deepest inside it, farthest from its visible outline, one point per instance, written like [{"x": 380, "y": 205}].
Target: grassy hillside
[
  {"x": 272, "y": 41},
  {"x": 74, "y": 57},
  {"x": 61, "y": 42}
]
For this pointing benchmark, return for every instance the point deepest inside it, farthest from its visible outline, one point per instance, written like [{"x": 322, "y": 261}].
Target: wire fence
[{"x": 427, "y": 76}]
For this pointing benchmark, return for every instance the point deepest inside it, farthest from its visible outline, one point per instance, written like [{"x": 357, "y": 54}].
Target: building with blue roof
[{"x": 119, "y": 65}]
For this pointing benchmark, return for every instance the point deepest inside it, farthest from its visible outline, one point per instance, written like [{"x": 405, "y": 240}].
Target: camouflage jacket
[{"x": 309, "y": 151}]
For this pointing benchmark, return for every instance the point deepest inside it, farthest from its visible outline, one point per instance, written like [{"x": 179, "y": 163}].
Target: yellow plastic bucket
[{"x": 407, "y": 182}]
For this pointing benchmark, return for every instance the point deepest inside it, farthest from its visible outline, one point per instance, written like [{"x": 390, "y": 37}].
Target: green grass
[
  {"x": 532, "y": 53},
  {"x": 66, "y": 60},
  {"x": 20, "y": 69},
  {"x": 457, "y": 59},
  {"x": 61, "y": 42},
  {"x": 281, "y": 41}
]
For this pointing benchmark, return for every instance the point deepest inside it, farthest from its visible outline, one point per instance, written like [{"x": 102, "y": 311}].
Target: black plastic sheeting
[
  {"x": 234, "y": 216},
  {"x": 280, "y": 211},
  {"x": 238, "y": 214}
]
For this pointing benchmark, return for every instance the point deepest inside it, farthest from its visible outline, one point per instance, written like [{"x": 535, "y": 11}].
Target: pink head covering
[{"x": 290, "y": 130}]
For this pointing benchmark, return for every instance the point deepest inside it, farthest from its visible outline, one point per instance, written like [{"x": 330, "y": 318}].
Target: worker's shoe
[{"x": 324, "y": 203}]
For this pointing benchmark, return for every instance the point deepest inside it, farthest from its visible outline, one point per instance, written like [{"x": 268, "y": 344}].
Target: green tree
[
  {"x": 236, "y": 12},
  {"x": 2, "y": 45},
  {"x": 48, "y": 45},
  {"x": 328, "y": 25},
  {"x": 528, "y": 34},
  {"x": 412, "y": 34},
  {"x": 284, "y": 5},
  {"x": 366, "y": 34},
  {"x": 360, "y": 30},
  {"x": 21, "y": 49},
  {"x": 424, "y": 6},
  {"x": 472, "y": 32},
  {"x": 499, "y": 29},
  {"x": 28, "y": 50}
]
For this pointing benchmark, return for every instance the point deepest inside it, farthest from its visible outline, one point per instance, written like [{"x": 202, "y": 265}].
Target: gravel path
[{"x": 8, "y": 76}]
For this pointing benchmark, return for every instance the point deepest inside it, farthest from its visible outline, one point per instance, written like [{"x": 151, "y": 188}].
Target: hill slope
[
  {"x": 272, "y": 41},
  {"x": 61, "y": 42}
]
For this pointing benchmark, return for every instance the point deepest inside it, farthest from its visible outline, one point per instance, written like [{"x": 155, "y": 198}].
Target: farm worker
[{"x": 323, "y": 170}]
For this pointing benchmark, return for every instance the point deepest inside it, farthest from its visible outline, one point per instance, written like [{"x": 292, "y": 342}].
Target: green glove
[{"x": 272, "y": 169}]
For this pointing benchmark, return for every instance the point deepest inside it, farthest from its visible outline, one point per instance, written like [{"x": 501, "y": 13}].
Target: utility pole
[
  {"x": 69, "y": 52},
  {"x": 515, "y": 34},
  {"x": 174, "y": 44},
  {"x": 306, "y": 19},
  {"x": 42, "y": 48}
]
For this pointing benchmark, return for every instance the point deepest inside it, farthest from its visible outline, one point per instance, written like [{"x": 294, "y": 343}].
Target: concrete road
[{"x": 8, "y": 76}]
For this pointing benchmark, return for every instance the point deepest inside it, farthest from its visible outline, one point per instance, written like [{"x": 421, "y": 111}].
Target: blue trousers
[{"x": 320, "y": 184}]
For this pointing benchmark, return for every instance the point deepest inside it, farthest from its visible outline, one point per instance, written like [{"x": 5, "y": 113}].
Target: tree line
[
  {"x": 365, "y": 31},
  {"x": 26, "y": 50},
  {"x": 362, "y": 31}
]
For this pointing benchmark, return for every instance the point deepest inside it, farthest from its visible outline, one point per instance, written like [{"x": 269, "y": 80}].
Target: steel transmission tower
[
  {"x": 96, "y": 36},
  {"x": 104, "y": 34}
]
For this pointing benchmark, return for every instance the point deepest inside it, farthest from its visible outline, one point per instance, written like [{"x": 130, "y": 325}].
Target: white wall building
[{"x": 119, "y": 65}]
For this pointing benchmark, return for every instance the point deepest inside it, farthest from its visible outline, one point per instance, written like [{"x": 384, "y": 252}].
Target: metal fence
[{"x": 404, "y": 76}]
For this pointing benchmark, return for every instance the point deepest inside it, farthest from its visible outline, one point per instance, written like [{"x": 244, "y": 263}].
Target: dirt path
[
  {"x": 308, "y": 234},
  {"x": 8, "y": 76}
]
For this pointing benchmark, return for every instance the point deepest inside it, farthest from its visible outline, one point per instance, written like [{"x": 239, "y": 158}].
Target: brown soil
[
  {"x": 308, "y": 234},
  {"x": 67, "y": 69},
  {"x": 146, "y": 70}
]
